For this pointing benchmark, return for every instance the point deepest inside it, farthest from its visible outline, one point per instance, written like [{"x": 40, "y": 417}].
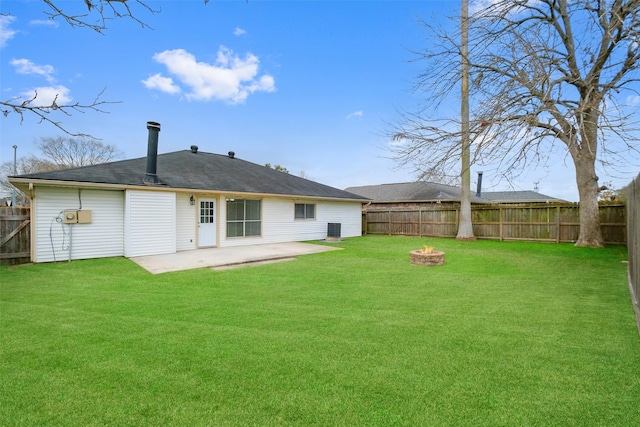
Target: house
[
  {"x": 423, "y": 194},
  {"x": 524, "y": 196},
  {"x": 409, "y": 194},
  {"x": 422, "y": 191},
  {"x": 178, "y": 201}
]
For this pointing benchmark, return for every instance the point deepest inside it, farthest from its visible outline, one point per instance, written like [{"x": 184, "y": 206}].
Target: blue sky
[{"x": 309, "y": 85}]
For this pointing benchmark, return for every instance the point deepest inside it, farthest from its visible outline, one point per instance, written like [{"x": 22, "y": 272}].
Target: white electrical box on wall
[
  {"x": 84, "y": 217},
  {"x": 76, "y": 217}
]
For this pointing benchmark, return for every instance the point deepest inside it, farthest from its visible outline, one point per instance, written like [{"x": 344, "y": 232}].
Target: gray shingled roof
[
  {"x": 198, "y": 171},
  {"x": 524, "y": 196},
  {"x": 411, "y": 192},
  {"x": 431, "y": 191}
]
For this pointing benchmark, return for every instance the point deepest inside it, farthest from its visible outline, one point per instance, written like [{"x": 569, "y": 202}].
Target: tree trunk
[
  {"x": 584, "y": 159},
  {"x": 587, "y": 181},
  {"x": 465, "y": 227}
]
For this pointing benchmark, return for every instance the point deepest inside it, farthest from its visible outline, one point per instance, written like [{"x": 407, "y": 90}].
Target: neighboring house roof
[
  {"x": 433, "y": 192},
  {"x": 525, "y": 196},
  {"x": 189, "y": 170},
  {"x": 411, "y": 192}
]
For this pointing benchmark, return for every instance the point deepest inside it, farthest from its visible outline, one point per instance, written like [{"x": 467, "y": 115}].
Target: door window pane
[{"x": 207, "y": 212}]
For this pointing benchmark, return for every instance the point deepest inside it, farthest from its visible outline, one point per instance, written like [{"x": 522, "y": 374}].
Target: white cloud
[
  {"x": 633, "y": 100},
  {"x": 230, "y": 78},
  {"x": 44, "y": 23},
  {"x": 25, "y": 66},
  {"x": 479, "y": 5},
  {"x": 239, "y": 32},
  {"x": 358, "y": 114},
  {"x": 476, "y": 6},
  {"x": 163, "y": 84},
  {"x": 46, "y": 95},
  {"x": 398, "y": 142},
  {"x": 6, "y": 33}
]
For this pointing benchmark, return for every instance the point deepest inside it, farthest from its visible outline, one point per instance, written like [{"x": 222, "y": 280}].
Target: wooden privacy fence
[
  {"x": 532, "y": 222},
  {"x": 15, "y": 235},
  {"x": 633, "y": 244}
]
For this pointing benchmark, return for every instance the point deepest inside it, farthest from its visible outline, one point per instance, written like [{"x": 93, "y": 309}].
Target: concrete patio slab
[{"x": 220, "y": 258}]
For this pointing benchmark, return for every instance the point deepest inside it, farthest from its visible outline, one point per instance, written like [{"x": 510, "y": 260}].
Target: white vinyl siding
[
  {"x": 185, "y": 223},
  {"x": 103, "y": 237},
  {"x": 150, "y": 223},
  {"x": 278, "y": 224},
  {"x": 349, "y": 215}
]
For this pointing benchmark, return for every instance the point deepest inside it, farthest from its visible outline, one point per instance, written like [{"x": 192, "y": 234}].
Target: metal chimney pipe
[
  {"x": 479, "y": 187},
  {"x": 151, "y": 177}
]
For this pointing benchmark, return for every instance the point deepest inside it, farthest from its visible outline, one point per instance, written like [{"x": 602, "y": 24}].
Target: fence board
[
  {"x": 633, "y": 245},
  {"x": 15, "y": 235},
  {"x": 533, "y": 222}
]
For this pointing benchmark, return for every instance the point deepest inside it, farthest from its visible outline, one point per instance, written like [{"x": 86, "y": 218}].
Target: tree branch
[{"x": 44, "y": 112}]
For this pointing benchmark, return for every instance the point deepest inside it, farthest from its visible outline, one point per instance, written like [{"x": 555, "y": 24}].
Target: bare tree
[
  {"x": 91, "y": 14},
  {"x": 546, "y": 74},
  {"x": 95, "y": 14},
  {"x": 58, "y": 153},
  {"x": 465, "y": 225},
  {"x": 63, "y": 152},
  {"x": 44, "y": 111},
  {"x": 24, "y": 165}
]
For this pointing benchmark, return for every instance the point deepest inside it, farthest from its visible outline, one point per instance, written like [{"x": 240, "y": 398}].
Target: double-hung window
[
  {"x": 243, "y": 218},
  {"x": 305, "y": 211}
]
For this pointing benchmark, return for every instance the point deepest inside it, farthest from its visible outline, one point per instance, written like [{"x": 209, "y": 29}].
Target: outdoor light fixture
[{"x": 192, "y": 201}]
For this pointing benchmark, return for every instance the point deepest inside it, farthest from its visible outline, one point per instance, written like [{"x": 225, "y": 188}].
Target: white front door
[{"x": 207, "y": 223}]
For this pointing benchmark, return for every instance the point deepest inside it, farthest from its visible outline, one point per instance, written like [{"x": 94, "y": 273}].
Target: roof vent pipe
[
  {"x": 232, "y": 154},
  {"x": 194, "y": 149},
  {"x": 151, "y": 177},
  {"x": 479, "y": 188}
]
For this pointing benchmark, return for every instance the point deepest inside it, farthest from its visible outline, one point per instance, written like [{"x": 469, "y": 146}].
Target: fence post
[
  {"x": 558, "y": 224},
  {"x": 501, "y": 225},
  {"x": 364, "y": 223},
  {"x": 419, "y": 222}
]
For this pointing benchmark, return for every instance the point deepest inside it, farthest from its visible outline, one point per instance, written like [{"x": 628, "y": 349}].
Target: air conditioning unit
[
  {"x": 76, "y": 217},
  {"x": 333, "y": 231}
]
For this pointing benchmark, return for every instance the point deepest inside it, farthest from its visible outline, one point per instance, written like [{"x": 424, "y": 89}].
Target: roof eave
[{"x": 26, "y": 185}]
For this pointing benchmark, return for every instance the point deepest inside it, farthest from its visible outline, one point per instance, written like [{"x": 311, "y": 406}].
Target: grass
[{"x": 503, "y": 334}]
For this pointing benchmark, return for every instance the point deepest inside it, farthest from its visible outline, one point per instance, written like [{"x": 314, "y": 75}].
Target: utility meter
[
  {"x": 76, "y": 217},
  {"x": 70, "y": 217}
]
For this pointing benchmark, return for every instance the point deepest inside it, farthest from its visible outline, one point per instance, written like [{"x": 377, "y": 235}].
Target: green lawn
[{"x": 508, "y": 334}]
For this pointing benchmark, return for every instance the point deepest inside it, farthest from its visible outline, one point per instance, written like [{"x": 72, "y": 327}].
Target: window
[
  {"x": 207, "y": 211},
  {"x": 243, "y": 218},
  {"x": 305, "y": 211}
]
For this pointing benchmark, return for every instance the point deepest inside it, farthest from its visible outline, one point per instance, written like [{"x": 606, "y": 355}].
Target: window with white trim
[
  {"x": 305, "y": 211},
  {"x": 244, "y": 218}
]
